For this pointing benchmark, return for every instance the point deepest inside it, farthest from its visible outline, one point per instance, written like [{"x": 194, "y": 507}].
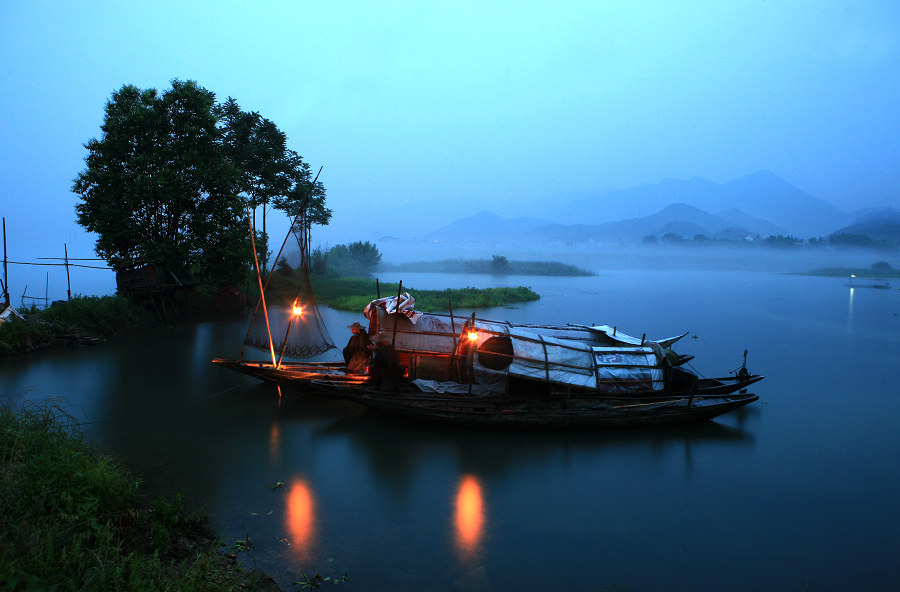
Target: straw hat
[{"x": 356, "y": 326}]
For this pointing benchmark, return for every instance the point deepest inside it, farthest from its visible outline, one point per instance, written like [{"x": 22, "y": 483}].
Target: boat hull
[
  {"x": 294, "y": 375},
  {"x": 516, "y": 412},
  {"x": 526, "y": 407}
]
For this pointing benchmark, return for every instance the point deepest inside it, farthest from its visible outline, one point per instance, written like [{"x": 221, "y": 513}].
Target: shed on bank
[{"x": 159, "y": 284}]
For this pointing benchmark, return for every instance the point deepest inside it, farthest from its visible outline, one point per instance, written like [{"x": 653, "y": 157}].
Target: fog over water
[{"x": 644, "y": 257}]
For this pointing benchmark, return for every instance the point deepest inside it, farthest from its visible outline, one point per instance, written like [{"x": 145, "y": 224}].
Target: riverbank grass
[
  {"x": 353, "y": 294},
  {"x": 82, "y": 320},
  {"x": 71, "y": 519}
]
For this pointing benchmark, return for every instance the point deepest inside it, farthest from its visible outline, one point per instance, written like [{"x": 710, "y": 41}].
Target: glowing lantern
[
  {"x": 297, "y": 310},
  {"x": 473, "y": 336}
]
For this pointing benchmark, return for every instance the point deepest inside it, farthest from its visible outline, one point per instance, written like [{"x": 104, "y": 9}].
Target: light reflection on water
[
  {"x": 300, "y": 519},
  {"x": 470, "y": 518},
  {"x": 399, "y": 505},
  {"x": 850, "y": 312},
  {"x": 275, "y": 440}
]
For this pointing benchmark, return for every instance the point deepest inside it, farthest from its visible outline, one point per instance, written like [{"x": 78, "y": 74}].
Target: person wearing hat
[{"x": 356, "y": 354}]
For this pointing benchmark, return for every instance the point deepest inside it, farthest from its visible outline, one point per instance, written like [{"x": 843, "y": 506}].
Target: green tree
[
  {"x": 156, "y": 188},
  {"x": 303, "y": 202},
  {"x": 172, "y": 176},
  {"x": 258, "y": 151},
  {"x": 357, "y": 259},
  {"x": 270, "y": 174},
  {"x": 499, "y": 264}
]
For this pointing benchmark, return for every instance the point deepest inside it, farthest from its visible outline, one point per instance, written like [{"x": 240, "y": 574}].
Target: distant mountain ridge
[
  {"x": 881, "y": 225},
  {"x": 681, "y": 219},
  {"x": 762, "y": 196},
  {"x": 759, "y": 204}
]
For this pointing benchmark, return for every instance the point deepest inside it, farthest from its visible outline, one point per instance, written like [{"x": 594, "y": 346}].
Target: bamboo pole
[
  {"x": 262, "y": 292},
  {"x": 397, "y": 318},
  {"x": 68, "y": 277},
  {"x": 471, "y": 357},
  {"x": 452, "y": 332},
  {"x": 5, "y": 276}
]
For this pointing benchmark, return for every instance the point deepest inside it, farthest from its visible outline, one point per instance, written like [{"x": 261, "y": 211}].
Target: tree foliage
[
  {"x": 171, "y": 177},
  {"x": 357, "y": 259}
]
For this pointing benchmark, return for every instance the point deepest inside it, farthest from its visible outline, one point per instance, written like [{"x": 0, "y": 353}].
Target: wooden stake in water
[{"x": 68, "y": 279}]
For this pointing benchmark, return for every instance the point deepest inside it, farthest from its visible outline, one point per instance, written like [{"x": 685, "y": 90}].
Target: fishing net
[{"x": 295, "y": 325}]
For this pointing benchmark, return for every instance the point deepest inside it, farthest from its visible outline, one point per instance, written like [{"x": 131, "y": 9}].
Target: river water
[{"x": 798, "y": 491}]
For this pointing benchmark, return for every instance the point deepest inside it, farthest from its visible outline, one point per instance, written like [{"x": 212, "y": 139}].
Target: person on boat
[
  {"x": 386, "y": 370},
  {"x": 356, "y": 354}
]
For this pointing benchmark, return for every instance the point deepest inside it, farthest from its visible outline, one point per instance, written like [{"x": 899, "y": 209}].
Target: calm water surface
[{"x": 799, "y": 491}]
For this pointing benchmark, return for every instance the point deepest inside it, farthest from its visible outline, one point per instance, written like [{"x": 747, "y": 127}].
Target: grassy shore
[
  {"x": 72, "y": 519},
  {"x": 83, "y": 320},
  {"x": 353, "y": 294}
]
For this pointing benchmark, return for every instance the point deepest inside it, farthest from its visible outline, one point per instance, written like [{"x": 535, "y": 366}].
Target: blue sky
[{"x": 433, "y": 111}]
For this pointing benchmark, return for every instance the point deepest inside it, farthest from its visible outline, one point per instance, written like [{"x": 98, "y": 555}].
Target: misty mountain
[
  {"x": 761, "y": 196},
  {"x": 755, "y": 225},
  {"x": 487, "y": 226},
  {"x": 882, "y": 225},
  {"x": 681, "y": 219}
]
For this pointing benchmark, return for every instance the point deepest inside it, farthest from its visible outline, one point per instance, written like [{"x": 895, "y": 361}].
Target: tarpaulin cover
[
  {"x": 633, "y": 368},
  {"x": 564, "y": 361}
]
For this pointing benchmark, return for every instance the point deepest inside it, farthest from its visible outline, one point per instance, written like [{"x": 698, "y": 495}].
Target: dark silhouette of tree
[
  {"x": 499, "y": 264},
  {"x": 172, "y": 176},
  {"x": 157, "y": 189}
]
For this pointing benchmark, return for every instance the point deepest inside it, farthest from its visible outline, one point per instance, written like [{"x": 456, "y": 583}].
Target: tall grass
[
  {"x": 69, "y": 517},
  {"x": 98, "y": 316},
  {"x": 101, "y": 315}
]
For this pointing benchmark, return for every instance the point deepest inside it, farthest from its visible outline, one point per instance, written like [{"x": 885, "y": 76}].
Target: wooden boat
[
  {"x": 485, "y": 372},
  {"x": 546, "y": 412}
]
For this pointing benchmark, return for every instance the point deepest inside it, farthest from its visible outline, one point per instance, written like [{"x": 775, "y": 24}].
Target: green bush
[
  {"x": 69, "y": 519},
  {"x": 99, "y": 316}
]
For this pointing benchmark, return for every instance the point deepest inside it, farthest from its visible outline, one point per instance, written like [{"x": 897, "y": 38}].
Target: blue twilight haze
[{"x": 428, "y": 112}]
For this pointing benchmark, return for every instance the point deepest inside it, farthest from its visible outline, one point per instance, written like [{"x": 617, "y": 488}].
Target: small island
[
  {"x": 496, "y": 265},
  {"x": 880, "y": 270}
]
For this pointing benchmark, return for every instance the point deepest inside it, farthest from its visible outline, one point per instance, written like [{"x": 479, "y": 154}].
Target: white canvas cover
[
  {"x": 426, "y": 333},
  {"x": 9, "y": 313},
  {"x": 562, "y": 355},
  {"x": 551, "y": 359},
  {"x": 568, "y": 362},
  {"x": 617, "y": 336},
  {"x": 624, "y": 369}
]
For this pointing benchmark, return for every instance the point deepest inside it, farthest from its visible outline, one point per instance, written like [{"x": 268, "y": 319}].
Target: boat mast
[{"x": 262, "y": 291}]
